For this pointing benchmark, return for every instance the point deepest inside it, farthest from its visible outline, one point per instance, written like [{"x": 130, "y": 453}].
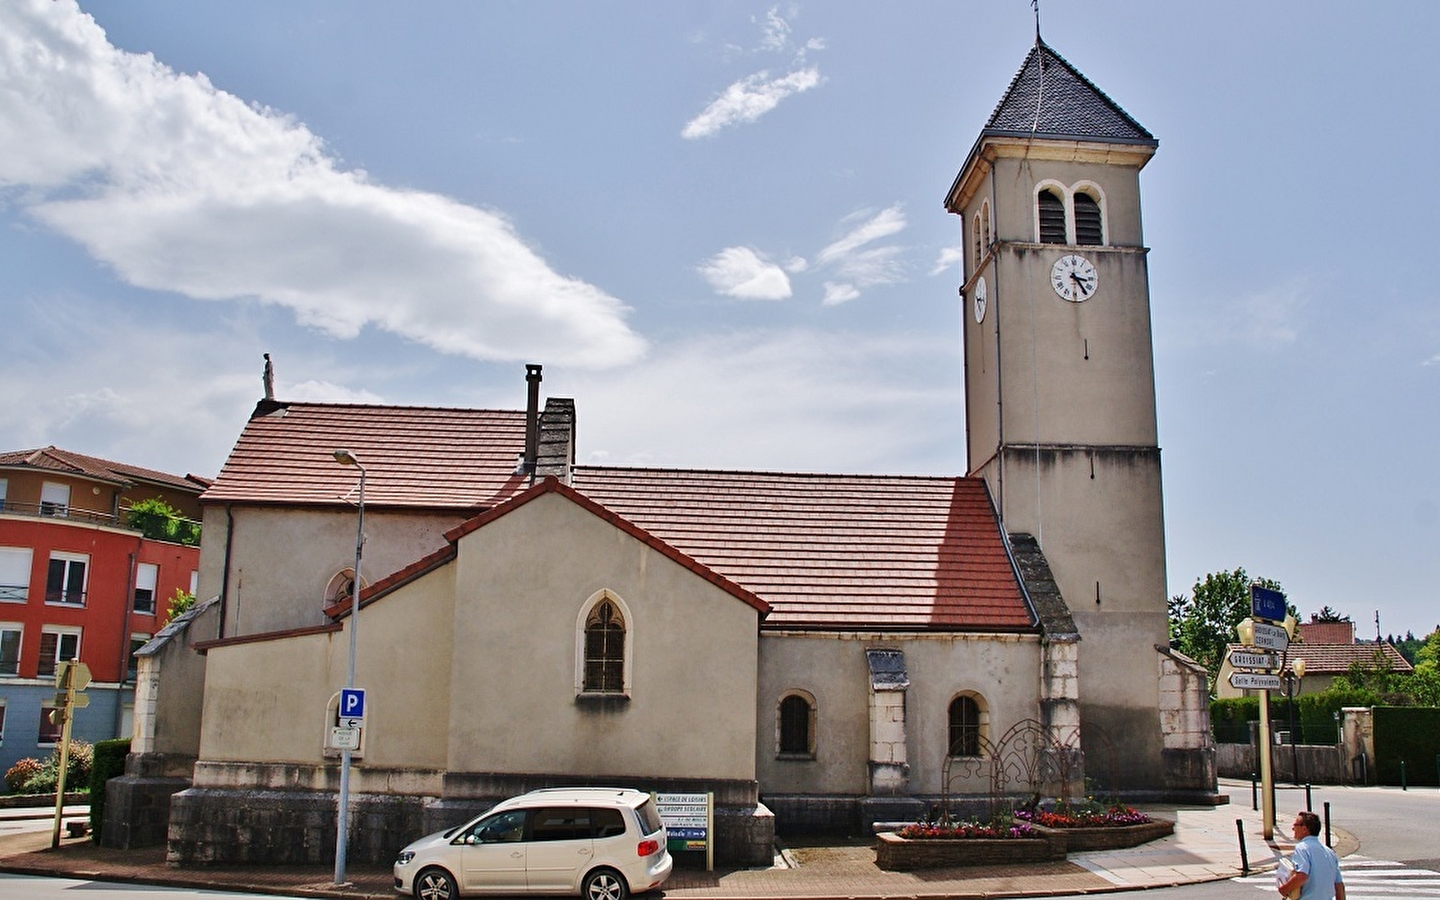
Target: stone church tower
[{"x": 1060, "y": 387}]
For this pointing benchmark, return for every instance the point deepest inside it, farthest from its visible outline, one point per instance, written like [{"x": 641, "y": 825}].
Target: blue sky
[{"x": 719, "y": 226}]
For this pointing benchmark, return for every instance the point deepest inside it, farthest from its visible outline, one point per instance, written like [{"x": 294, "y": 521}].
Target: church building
[{"x": 819, "y": 652}]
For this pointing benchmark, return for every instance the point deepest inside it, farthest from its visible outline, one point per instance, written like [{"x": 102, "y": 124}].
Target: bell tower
[{"x": 1060, "y": 387}]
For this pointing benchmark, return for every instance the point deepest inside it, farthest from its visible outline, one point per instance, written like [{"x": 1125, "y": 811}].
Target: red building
[{"x": 78, "y": 582}]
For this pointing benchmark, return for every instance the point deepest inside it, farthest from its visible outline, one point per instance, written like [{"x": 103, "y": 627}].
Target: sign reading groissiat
[{"x": 1244, "y": 659}]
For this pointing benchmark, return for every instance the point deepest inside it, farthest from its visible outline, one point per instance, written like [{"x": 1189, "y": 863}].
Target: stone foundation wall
[{"x": 137, "y": 804}]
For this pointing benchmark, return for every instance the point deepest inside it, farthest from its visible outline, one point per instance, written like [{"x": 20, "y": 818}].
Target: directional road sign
[
  {"x": 1266, "y": 603},
  {"x": 1271, "y": 637},
  {"x": 72, "y": 674},
  {"x": 1250, "y": 681},
  {"x": 1245, "y": 659}
]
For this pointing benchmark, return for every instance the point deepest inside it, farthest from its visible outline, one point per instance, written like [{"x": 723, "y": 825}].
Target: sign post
[{"x": 71, "y": 677}]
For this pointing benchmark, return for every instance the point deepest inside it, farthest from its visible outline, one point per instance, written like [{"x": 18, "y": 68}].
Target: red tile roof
[
  {"x": 1326, "y": 632},
  {"x": 833, "y": 551},
  {"x": 414, "y": 456},
  {"x": 54, "y": 459},
  {"x": 1335, "y": 659}
]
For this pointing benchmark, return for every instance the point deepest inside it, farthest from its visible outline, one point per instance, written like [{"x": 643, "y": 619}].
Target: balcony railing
[
  {"x": 14, "y": 593},
  {"x": 70, "y": 513}
]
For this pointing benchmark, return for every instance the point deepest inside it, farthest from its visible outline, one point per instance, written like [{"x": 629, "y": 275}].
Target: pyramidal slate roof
[{"x": 1048, "y": 97}]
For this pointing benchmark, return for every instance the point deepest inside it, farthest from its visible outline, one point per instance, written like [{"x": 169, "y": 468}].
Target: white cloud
[
  {"x": 748, "y": 99},
  {"x": 836, "y": 294},
  {"x": 1432, "y": 361},
  {"x": 949, "y": 258},
  {"x": 743, "y": 273},
  {"x": 882, "y": 224},
  {"x": 794, "y": 400},
  {"x": 178, "y": 186},
  {"x": 776, "y": 31}
]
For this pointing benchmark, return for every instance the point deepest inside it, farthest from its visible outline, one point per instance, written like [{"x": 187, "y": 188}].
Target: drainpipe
[
  {"x": 126, "y": 610},
  {"x": 225, "y": 572}
]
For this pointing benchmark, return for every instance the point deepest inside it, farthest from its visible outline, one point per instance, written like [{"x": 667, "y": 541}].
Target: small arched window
[
  {"x": 604, "y": 650},
  {"x": 979, "y": 247},
  {"x": 340, "y": 586},
  {"x": 966, "y": 726},
  {"x": 1089, "y": 224},
  {"x": 1051, "y": 208},
  {"x": 797, "y": 726},
  {"x": 985, "y": 224}
]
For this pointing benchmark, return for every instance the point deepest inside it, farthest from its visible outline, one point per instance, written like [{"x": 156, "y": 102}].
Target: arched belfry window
[
  {"x": 986, "y": 238},
  {"x": 1050, "y": 207},
  {"x": 1089, "y": 222},
  {"x": 603, "y": 646},
  {"x": 979, "y": 249},
  {"x": 968, "y": 723}
]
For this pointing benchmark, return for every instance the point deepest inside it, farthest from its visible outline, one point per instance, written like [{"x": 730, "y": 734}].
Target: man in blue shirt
[{"x": 1317, "y": 871}]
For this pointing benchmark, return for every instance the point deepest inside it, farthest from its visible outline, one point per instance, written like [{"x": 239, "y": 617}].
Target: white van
[{"x": 602, "y": 843}]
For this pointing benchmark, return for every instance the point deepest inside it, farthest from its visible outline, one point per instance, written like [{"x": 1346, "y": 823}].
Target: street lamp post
[
  {"x": 1293, "y": 675},
  {"x": 342, "y": 818}
]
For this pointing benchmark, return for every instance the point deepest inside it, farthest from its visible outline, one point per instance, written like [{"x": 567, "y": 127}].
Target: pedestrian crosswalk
[{"x": 1372, "y": 879}]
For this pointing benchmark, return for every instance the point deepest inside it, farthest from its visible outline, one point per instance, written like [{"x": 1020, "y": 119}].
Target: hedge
[
  {"x": 1411, "y": 734},
  {"x": 109, "y": 763}
]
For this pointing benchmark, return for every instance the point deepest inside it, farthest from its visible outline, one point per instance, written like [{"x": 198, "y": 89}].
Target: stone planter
[
  {"x": 898, "y": 854},
  {"x": 1107, "y": 837}
]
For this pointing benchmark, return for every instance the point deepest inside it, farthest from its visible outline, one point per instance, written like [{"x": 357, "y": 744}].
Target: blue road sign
[
  {"x": 352, "y": 703},
  {"x": 1267, "y": 604}
]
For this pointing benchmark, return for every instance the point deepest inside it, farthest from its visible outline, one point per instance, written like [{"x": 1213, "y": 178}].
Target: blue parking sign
[{"x": 352, "y": 703}]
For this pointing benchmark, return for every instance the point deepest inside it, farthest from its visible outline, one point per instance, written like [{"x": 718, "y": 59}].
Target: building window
[
  {"x": 985, "y": 236},
  {"x": 10, "y": 636},
  {"x": 49, "y": 731},
  {"x": 56, "y": 646},
  {"x": 54, "y": 499},
  {"x": 967, "y": 726},
  {"x": 604, "y": 650},
  {"x": 339, "y": 588},
  {"x": 65, "y": 582},
  {"x": 14, "y": 574},
  {"x": 4, "y": 486},
  {"x": 979, "y": 250},
  {"x": 797, "y": 726},
  {"x": 2, "y": 720},
  {"x": 1051, "y": 210},
  {"x": 136, "y": 642},
  {"x": 146, "y": 577},
  {"x": 1089, "y": 223}
]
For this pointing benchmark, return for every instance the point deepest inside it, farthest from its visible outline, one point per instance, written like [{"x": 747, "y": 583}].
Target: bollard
[
  {"x": 1402, "y": 776},
  {"x": 1327, "y": 823},
  {"x": 1308, "y": 803},
  {"x": 1254, "y": 794},
  {"x": 1244, "y": 857}
]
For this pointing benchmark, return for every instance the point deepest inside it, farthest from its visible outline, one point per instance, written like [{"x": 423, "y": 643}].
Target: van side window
[
  {"x": 564, "y": 823},
  {"x": 506, "y": 828},
  {"x": 607, "y": 822}
]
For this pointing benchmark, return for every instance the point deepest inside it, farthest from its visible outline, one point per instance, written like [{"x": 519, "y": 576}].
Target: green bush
[
  {"x": 77, "y": 770},
  {"x": 109, "y": 763},
  {"x": 159, "y": 521},
  {"x": 18, "y": 778}
]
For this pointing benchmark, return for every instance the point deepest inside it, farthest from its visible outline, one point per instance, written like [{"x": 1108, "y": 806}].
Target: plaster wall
[
  {"x": 522, "y": 582},
  {"x": 1002, "y": 670},
  {"x": 283, "y": 558}
]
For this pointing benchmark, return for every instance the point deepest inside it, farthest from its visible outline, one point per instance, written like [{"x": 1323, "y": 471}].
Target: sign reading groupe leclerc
[
  {"x": 1266, "y": 603},
  {"x": 1271, "y": 637},
  {"x": 1252, "y": 681},
  {"x": 1244, "y": 659}
]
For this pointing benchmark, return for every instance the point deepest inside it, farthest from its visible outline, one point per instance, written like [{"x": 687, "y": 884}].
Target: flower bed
[
  {"x": 1090, "y": 827},
  {"x": 900, "y": 854}
]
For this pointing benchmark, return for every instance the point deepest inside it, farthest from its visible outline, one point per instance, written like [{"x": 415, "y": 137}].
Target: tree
[
  {"x": 1202, "y": 624},
  {"x": 1326, "y": 614}
]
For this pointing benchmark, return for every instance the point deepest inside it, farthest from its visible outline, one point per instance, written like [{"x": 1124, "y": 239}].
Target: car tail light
[{"x": 645, "y": 848}]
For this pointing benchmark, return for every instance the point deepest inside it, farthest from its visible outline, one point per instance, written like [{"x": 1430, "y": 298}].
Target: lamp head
[
  {"x": 346, "y": 458},
  {"x": 1246, "y": 631},
  {"x": 1298, "y": 667}
]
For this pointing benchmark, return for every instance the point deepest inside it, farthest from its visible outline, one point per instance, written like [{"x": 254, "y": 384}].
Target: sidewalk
[{"x": 1204, "y": 847}]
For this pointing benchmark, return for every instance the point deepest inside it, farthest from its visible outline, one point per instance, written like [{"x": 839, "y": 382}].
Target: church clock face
[
  {"x": 980, "y": 300},
  {"x": 1074, "y": 278}
]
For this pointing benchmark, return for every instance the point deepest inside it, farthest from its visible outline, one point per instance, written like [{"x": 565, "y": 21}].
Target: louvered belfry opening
[
  {"x": 1088, "y": 227},
  {"x": 1052, "y": 217},
  {"x": 604, "y": 650}
]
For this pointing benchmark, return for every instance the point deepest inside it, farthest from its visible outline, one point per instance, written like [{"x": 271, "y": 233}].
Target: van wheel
[
  {"x": 605, "y": 884},
  {"x": 435, "y": 884}
]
